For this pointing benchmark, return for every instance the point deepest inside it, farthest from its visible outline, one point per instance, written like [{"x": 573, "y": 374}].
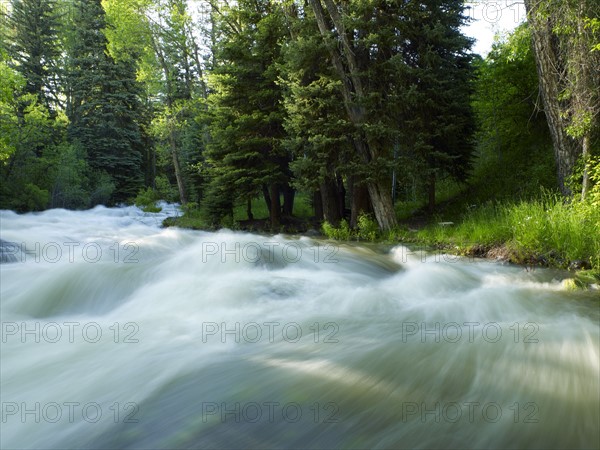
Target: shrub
[
  {"x": 146, "y": 200},
  {"x": 367, "y": 228}
]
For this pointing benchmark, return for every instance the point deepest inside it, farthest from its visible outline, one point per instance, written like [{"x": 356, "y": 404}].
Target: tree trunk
[
  {"x": 330, "y": 202},
  {"x": 379, "y": 191},
  {"x": 549, "y": 67},
  {"x": 345, "y": 63},
  {"x": 361, "y": 203},
  {"x": 431, "y": 192},
  {"x": 266, "y": 196},
  {"x": 318, "y": 205},
  {"x": 585, "y": 185},
  {"x": 381, "y": 200},
  {"x": 341, "y": 192},
  {"x": 176, "y": 165},
  {"x": 275, "y": 206},
  {"x": 249, "y": 209},
  {"x": 172, "y": 141},
  {"x": 288, "y": 200}
]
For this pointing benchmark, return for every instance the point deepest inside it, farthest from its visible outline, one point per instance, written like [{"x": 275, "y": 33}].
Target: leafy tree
[
  {"x": 514, "y": 154},
  {"x": 182, "y": 91},
  {"x": 565, "y": 40}
]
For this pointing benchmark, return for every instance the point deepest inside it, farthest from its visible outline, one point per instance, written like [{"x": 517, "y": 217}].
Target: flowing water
[{"x": 117, "y": 333}]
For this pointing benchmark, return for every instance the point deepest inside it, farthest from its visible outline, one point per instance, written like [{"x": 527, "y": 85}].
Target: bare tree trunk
[
  {"x": 172, "y": 141},
  {"x": 288, "y": 200},
  {"x": 266, "y": 197},
  {"x": 341, "y": 194},
  {"x": 381, "y": 200},
  {"x": 550, "y": 69},
  {"x": 431, "y": 191},
  {"x": 275, "y": 206},
  {"x": 318, "y": 205},
  {"x": 177, "y": 166},
  {"x": 585, "y": 185},
  {"x": 361, "y": 203},
  {"x": 330, "y": 202},
  {"x": 249, "y": 209}
]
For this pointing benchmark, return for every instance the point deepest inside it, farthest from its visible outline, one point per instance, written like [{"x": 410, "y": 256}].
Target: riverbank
[{"x": 546, "y": 232}]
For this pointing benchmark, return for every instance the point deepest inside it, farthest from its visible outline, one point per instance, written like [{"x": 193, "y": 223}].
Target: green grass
[
  {"x": 446, "y": 190},
  {"x": 302, "y": 208},
  {"x": 544, "y": 230},
  {"x": 548, "y": 227},
  {"x": 194, "y": 218}
]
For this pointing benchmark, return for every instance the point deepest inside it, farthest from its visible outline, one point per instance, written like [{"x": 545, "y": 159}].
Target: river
[{"x": 117, "y": 333}]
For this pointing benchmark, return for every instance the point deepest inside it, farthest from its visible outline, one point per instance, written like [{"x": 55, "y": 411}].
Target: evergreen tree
[
  {"x": 437, "y": 123},
  {"x": 245, "y": 152},
  {"x": 319, "y": 134},
  {"x": 403, "y": 74},
  {"x": 32, "y": 44},
  {"x": 104, "y": 107}
]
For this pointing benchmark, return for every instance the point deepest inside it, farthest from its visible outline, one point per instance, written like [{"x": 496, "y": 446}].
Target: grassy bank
[{"x": 546, "y": 231}]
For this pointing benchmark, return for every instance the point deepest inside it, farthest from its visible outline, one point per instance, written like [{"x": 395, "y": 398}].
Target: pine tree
[
  {"x": 436, "y": 87},
  {"x": 33, "y": 47},
  {"x": 104, "y": 107},
  {"x": 319, "y": 134},
  {"x": 245, "y": 151}
]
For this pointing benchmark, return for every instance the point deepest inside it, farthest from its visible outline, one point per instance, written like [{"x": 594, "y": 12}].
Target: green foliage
[
  {"x": 70, "y": 175},
  {"x": 546, "y": 227},
  {"x": 340, "y": 233},
  {"x": 105, "y": 111},
  {"x": 146, "y": 200},
  {"x": 33, "y": 198},
  {"x": 245, "y": 114},
  {"x": 11, "y": 86},
  {"x": 367, "y": 228},
  {"x": 32, "y": 44},
  {"x": 434, "y": 89},
  {"x": 165, "y": 190},
  {"x": 514, "y": 150},
  {"x": 102, "y": 188}
]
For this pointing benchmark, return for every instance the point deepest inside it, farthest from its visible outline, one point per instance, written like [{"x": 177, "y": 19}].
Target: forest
[{"x": 360, "y": 116}]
